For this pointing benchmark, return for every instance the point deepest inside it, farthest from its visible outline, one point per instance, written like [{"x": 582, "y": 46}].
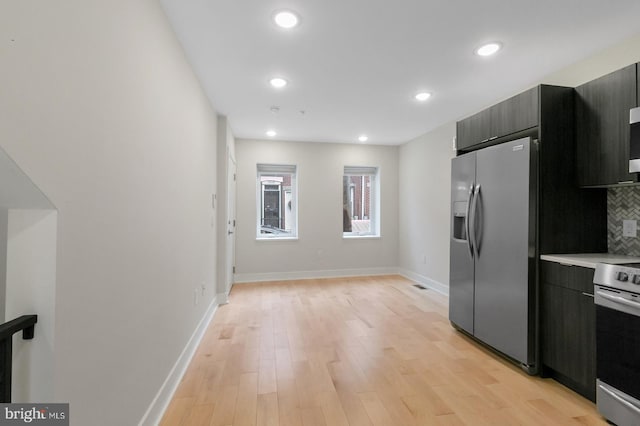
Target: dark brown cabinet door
[
  {"x": 602, "y": 128},
  {"x": 515, "y": 114},
  {"x": 568, "y": 329},
  {"x": 472, "y": 130}
]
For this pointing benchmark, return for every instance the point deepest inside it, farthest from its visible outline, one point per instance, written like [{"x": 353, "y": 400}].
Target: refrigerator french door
[{"x": 493, "y": 249}]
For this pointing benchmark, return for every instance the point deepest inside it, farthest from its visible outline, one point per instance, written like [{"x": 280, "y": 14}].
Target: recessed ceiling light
[
  {"x": 271, "y": 133},
  {"x": 363, "y": 138},
  {"x": 423, "y": 96},
  {"x": 488, "y": 49},
  {"x": 278, "y": 82},
  {"x": 286, "y": 19}
]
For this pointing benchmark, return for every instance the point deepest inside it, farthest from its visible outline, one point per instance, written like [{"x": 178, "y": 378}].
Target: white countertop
[{"x": 589, "y": 260}]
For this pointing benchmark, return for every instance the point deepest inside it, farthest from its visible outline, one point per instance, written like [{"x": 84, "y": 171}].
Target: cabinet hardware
[
  {"x": 587, "y": 294},
  {"x": 493, "y": 137},
  {"x": 624, "y": 182},
  {"x": 485, "y": 140}
]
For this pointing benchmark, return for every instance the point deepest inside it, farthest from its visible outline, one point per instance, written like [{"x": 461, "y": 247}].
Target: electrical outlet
[
  {"x": 195, "y": 296},
  {"x": 203, "y": 287},
  {"x": 629, "y": 228}
]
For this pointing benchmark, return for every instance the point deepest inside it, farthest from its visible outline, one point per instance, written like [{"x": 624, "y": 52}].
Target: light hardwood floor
[{"x": 356, "y": 351}]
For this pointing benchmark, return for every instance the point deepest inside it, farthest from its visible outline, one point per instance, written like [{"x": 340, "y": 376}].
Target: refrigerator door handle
[
  {"x": 468, "y": 219},
  {"x": 475, "y": 216}
]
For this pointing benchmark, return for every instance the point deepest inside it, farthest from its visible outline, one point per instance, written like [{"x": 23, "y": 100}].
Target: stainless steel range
[{"x": 617, "y": 298}]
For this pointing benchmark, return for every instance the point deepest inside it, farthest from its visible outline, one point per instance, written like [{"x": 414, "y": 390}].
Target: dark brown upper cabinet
[
  {"x": 473, "y": 130},
  {"x": 515, "y": 114},
  {"x": 518, "y": 113},
  {"x": 602, "y": 128}
]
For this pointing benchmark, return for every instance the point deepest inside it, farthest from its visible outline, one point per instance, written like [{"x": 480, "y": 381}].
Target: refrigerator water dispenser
[{"x": 460, "y": 220}]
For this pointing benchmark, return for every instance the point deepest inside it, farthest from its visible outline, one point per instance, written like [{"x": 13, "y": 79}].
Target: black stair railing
[{"x": 27, "y": 324}]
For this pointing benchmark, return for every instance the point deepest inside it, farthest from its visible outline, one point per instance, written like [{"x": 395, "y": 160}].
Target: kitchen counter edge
[{"x": 589, "y": 260}]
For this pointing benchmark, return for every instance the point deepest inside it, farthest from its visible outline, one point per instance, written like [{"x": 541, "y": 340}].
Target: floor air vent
[{"x": 421, "y": 287}]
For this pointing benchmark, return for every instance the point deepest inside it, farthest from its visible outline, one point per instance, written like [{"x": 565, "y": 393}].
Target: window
[
  {"x": 277, "y": 202},
  {"x": 360, "y": 208}
]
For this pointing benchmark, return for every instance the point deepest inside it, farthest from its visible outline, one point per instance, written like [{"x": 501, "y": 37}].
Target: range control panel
[
  {"x": 626, "y": 277},
  {"x": 623, "y": 277}
]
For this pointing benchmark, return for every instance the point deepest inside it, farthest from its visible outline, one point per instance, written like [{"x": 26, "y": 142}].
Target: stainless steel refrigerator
[{"x": 492, "y": 294}]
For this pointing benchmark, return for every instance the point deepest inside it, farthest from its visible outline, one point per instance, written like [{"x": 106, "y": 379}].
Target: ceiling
[{"x": 353, "y": 66}]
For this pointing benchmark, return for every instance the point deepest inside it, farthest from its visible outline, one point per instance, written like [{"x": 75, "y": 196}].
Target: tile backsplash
[{"x": 623, "y": 203}]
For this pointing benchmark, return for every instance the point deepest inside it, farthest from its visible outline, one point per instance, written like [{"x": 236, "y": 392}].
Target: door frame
[{"x": 230, "y": 220}]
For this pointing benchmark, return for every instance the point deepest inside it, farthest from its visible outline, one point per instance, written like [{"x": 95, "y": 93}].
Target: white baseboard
[
  {"x": 305, "y": 275},
  {"x": 425, "y": 281},
  {"x": 223, "y": 298},
  {"x": 165, "y": 394}
]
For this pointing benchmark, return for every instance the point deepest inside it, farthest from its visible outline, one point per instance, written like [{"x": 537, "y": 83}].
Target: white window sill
[
  {"x": 361, "y": 237},
  {"x": 277, "y": 239}
]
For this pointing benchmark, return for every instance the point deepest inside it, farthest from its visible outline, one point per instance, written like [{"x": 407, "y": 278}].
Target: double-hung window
[
  {"x": 360, "y": 202},
  {"x": 276, "y": 200}
]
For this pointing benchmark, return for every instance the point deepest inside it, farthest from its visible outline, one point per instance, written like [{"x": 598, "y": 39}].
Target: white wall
[
  {"x": 100, "y": 108},
  {"x": 4, "y": 232},
  {"x": 604, "y": 62},
  {"x": 320, "y": 249},
  {"x": 28, "y": 279},
  {"x": 31, "y": 289},
  {"x": 424, "y": 204}
]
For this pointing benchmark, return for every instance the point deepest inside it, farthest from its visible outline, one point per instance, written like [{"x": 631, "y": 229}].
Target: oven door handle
[
  {"x": 620, "y": 399},
  {"x": 618, "y": 299}
]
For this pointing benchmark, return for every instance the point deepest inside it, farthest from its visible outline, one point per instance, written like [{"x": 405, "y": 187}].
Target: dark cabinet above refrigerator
[
  {"x": 473, "y": 130},
  {"x": 516, "y": 114}
]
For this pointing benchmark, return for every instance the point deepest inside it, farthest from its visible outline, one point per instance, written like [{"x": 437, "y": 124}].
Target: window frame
[
  {"x": 264, "y": 170},
  {"x": 374, "y": 202}
]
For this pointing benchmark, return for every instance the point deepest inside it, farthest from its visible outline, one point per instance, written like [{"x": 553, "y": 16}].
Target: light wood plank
[
  {"x": 247, "y": 402},
  {"x": 200, "y": 415},
  {"x": 225, "y": 408},
  {"x": 356, "y": 352},
  {"x": 268, "y": 414}
]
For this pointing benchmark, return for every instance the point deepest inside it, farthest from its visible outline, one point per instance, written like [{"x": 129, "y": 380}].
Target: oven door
[{"x": 618, "y": 355}]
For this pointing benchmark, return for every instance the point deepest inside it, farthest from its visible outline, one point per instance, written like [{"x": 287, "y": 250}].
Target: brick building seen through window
[{"x": 359, "y": 201}]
